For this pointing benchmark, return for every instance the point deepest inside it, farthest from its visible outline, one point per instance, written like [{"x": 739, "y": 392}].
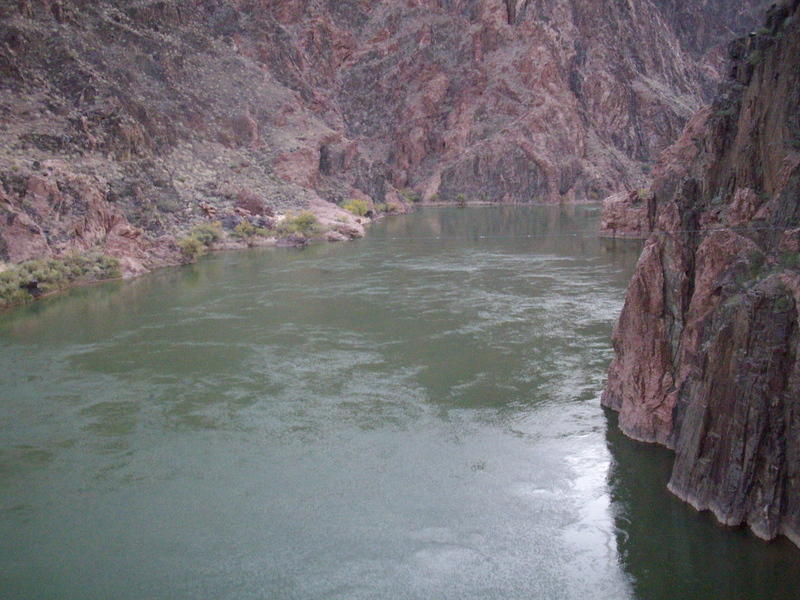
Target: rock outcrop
[
  {"x": 168, "y": 111},
  {"x": 707, "y": 358}
]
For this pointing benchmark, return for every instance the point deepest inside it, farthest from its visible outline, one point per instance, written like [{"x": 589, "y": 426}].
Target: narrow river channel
[{"x": 414, "y": 415}]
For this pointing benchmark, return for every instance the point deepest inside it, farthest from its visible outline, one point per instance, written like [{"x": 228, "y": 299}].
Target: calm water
[{"x": 412, "y": 416}]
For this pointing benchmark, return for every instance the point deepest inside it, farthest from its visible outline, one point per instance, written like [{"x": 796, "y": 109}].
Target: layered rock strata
[{"x": 707, "y": 343}]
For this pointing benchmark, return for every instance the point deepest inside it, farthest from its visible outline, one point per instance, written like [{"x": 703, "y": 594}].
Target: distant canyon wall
[{"x": 125, "y": 122}]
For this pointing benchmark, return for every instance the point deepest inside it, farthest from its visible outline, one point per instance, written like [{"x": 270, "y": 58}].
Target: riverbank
[
  {"x": 46, "y": 276},
  {"x": 330, "y": 223}
]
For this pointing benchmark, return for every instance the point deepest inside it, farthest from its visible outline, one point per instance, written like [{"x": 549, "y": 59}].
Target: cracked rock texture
[
  {"x": 121, "y": 120},
  {"x": 707, "y": 358}
]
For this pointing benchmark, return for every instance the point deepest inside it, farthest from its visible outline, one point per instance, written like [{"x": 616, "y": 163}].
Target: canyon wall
[
  {"x": 707, "y": 358},
  {"x": 124, "y": 122}
]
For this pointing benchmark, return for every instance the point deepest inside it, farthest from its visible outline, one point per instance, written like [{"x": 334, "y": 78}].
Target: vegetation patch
[
  {"x": 410, "y": 196},
  {"x": 207, "y": 233},
  {"x": 199, "y": 240},
  {"x": 356, "y": 206},
  {"x": 29, "y": 280},
  {"x": 248, "y": 232},
  {"x": 304, "y": 223},
  {"x": 191, "y": 248}
]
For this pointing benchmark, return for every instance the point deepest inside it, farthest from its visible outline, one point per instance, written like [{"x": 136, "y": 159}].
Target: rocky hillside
[
  {"x": 125, "y": 122},
  {"x": 707, "y": 355}
]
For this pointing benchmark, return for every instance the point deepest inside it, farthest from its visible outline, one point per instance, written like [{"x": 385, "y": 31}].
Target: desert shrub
[
  {"x": 11, "y": 291},
  {"x": 304, "y": 223},
  {"x": 106, "y": 267},
  {"x": 461, "y": 200},
  {"x": 21, "y": 283},
  {"x": 410, "y": 196},
  {"x": 199, "y": 240},
  {"x": 357, "y": 206},
  {"x": 207, "y": 233},
  {"x": 382, "y": 207},
  {"x": 246, "y": 231},
  {"x": 191, "y": 248}
]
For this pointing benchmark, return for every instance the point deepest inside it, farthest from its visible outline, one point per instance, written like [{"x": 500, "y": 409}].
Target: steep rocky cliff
[
  {"x": 707, "y": 355},
  {"x": 124, "y": 122}
]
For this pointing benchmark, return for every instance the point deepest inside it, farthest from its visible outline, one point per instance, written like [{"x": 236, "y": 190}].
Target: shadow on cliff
[{"x": 706, "y": 560}]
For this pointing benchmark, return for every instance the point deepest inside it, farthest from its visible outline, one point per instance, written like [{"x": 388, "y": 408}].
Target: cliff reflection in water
[{"x": 671, "y": 551}]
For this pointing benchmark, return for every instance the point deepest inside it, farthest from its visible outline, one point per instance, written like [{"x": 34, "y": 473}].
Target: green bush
[
  {"x": 410, "y": 196},
  {"x": 382, "y": 207},
  {"x": 11, "y": 291},
  {"x": 207, "y": 233},
  {"x": 43, "y": 276},
  {"x": 199, "y": 240},
  {"x": 191, "y": 248},
  {"x": 357, "y": 206},
  {"x": 304, "y": 223},
  {"x": 247, "y": 231}
]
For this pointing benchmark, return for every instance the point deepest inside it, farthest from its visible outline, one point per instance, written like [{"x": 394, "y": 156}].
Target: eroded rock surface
[
  {"x": 707, "y": 344},
  {"x": 170, "y": 111}
]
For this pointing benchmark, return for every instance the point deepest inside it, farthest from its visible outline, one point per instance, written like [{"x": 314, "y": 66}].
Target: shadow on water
[{"x": 672, "y": 551}]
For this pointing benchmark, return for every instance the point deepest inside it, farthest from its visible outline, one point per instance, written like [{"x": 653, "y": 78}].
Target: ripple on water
[{"x": 382, "y": 419}]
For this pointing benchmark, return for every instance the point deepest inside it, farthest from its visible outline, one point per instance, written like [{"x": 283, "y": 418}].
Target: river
[{"x": 414, "y": 415}]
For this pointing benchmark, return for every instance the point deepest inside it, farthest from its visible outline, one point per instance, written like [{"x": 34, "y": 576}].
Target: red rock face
[
  {"x": 175, "y": 106},
  {"x": 78, "y": 217},
  {"x": 707, "y": 344},
  {"x": 523, "y": 101}
]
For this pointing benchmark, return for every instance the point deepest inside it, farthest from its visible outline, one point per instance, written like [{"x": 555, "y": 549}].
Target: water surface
[{"x": 411, "y": 416}]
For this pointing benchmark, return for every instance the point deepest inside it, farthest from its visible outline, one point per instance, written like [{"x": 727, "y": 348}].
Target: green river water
[{"x": 414, "y": 415}]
